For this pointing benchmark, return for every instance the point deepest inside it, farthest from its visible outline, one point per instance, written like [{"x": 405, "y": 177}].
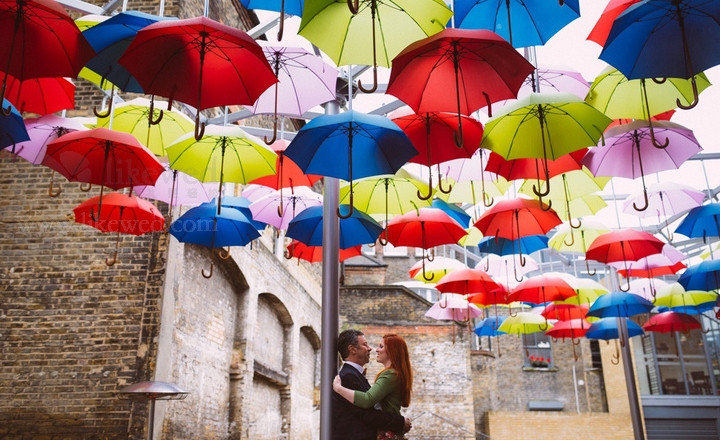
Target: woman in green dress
[{"x": 393, "y": 384}]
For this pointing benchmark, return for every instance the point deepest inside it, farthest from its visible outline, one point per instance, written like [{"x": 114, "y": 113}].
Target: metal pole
[
  {"x": 330, "y": 295},
  {"x": 635, "y": 414}
]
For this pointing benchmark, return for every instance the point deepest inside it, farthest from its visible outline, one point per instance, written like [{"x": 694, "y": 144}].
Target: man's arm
[{"x": 378, "y": 419}]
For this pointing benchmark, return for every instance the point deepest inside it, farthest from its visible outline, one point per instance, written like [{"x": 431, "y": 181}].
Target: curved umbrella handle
[
  {"x": 352, "y": 208},
  {"x": 384, "y": 240},
  {"x": 645, "y": 206},
  {"x": 587, "y": 266},
  {"x": 489, "y": 201},
  {"x": 51, "y": 192},
  {"x": 546, "y": 191},
  {"x": 572, "y": 238},
  {"x": 655, "y": 143},
  {"x": 375, "y": 82},
  {"x": 577, "y": 225},
  {"x": 431, "y": 255},
  {"x": 420, "y": 195},
  {"x": 354, "y": 6},
  {"x": 85, "y": 187},
  {"x": 547, "y": 206},
  {"x": 199, "y": 130},
  {"x": 95, "y": 111},
  {"x": 224, "y": 253},
  {"x": 108, "y": 261},
  {"x": 151, "y": 113},
  {"x": 696, "y": 99},
  {"x": 444, "y": 190},
  {"x": 615, "y": 359},
  {"x": 208, "y": 275},
  {"x": 515, "y": 273},
  {"x": 274, "y": 135}
]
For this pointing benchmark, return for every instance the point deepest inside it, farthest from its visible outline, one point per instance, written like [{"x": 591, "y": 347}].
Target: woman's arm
[{"x": 384, "y": 385}]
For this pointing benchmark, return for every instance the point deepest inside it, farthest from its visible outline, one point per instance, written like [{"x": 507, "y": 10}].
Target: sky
[{"x": 570, "y": 50}]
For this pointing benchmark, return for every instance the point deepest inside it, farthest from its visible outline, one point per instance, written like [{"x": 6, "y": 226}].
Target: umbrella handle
[
  {"x": 199, "y": 128},
  {"x": 420, "y": 195},
  {"x": 289, "y": 251},
  {"x": 108, "y": 261},
  {"x": 109, "y": 109},
  {"x": 354, "y": 6},
  {"x": 424, "y": 274},
  {"x": 645, "y": 206},
  {"x": 577, "y": 225},
  {"x": 375, "y": 83},
  {"x": 545, "y": 206},
  {"x": 51, "y": 191},
  {"x": 572, "y": 238},
  {"x": 545, "y": 192},
  {"x": 628, "y": 285},
  {"x": 208, "y": 275},
  {"x": 616, "y": 356},
  {"x": 696, "y": 99},
  {"x": 274, "y": 136},
  {"x": 352, "y": 208},
  {"x": 647, "y": 110},
  {"x": 151, "y": 120},
  {"x": 515, "y": 273},
  {"x": 224, "y": 253},
  {"x": 383, "y": 240},
  {"x": 444, "y": 190},
  {"x": 85, "y": 187},
  {"x": 587, "y": 266}
]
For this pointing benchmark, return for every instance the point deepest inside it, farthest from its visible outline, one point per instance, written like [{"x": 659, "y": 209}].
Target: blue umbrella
[
  {"x": 204, "y": 226},
  {"x": 503, "y": 246},
  {"x": 704, "y": 276},
  {"x": 110, "y": 38},
  {"x": 522, "y": 22},
  {"x": 453, "y": 211},
  {"x": 619, "y": 304},
  {"x": 350, "y": 145},
  {"x": 356, "y": 228},
  {"x": 489, "y": 326},
  {"x": 12, "y": 126},
  {"x": 665, "y": 39},
  {"x": 243, "y": 205},
  {"x": 607, "y": 329},
  {"x": 701, "y": 221}
]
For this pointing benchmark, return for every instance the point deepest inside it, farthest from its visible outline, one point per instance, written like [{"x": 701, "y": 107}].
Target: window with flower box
[{"x": 538, "y": 351}]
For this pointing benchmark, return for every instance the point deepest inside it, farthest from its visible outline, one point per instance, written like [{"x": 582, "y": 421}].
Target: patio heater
[{"x": 152, "y": 391}]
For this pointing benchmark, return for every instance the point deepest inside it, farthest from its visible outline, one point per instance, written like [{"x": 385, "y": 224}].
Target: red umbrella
[
  {"x": 122, "y": 214},
  {"x": 424, "y": 228},
  {"x": 457, "y": 70},
  {"x": 200, "y": 62},
  {"x": 534, "y": 168},
  {"x": 623, "y": 245},
  {"x": 103, "y": 157},
  {"x": 433, "y": 136},
  {"x": 517, "y": 218},
  {"x": 38, "y": 38},
  {"x": 573, "y": 329},
  {"x": 600, "y": 31},
  {"x": 541, "y": 289},
  {"x": 671, "y": 322},
  {"x": 42, "y": 96},
  {"x": 468, "y": 281},
  {"x": 313, "y": 254},
  {"x": 565, "y": 312}
]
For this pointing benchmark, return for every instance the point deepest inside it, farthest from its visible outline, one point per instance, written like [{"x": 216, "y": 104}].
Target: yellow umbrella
[
  {"x": 83, "y": 23},
  {"x": 133, "y": 117}
]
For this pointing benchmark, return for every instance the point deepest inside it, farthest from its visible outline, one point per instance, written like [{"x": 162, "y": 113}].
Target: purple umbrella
[
  {"x": 266, "y": 209},
  {"x": 629, "y": 151},
  {"x": 42, "y": 131},
  {"x": 304, "y": 81},
  {"x": 177, "y": 188}
]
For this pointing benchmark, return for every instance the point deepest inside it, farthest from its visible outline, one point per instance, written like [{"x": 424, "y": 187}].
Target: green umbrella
[
  {"x": 374, "y": 34},
  {"x": 224, "y": 154},
  {"x": 544, "y": 125}
]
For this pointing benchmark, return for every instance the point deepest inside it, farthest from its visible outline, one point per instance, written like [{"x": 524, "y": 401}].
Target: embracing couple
[{"x": 364, "y": 412}]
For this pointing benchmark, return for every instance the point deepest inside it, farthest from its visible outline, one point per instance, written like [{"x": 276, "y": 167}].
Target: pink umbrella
[
  {"x": 471, "y": 170},
  {"x": 177, "y": 188},
  {"x": 42, "y": 131},
  {"x": 667, "y": 262},
  {"x": 507, "y": 269},
  {"x": 267, "y": 208},
  {"x": 304, "y": 81},
  {"x": 630, "y": 151},
  {"x": 665, "y": 199},
  {"x": 453, "y": 307},
  {"x": 254, "y": 192},
  {"x": 646, "y": 287}
]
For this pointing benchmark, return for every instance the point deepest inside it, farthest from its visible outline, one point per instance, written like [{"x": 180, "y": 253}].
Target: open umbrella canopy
[
  {"x": 177, "y": 188},
  {"x": 202, "y": 225},
  {"x": 671, "y": 322},
  {"x": 701, "y": 221},
  {"x": 517, "y": 218},
  {"x": 355, "y": 229},
  {"x": 523, "y": 23},
  {"x": 435, "y": 269},
  {"x": 619, "y": 304},
  {"x": 453, "y": 307},
  {"x": 424, "y": 228},
  {"x": 42, "y": 131},
  {"x": 122, "y": 213},
  {"x": 564, "y": 312},
  {"x": 524, "y": 323},
  {"x": 623, "y": 245},
  {"x": 703, "y": 276},
  {"x": 103, "y": 157},
  {"x": 601, "y": 29},
  {"x": 677, "y": 299},
  {"x": 12, "y": 127},
  {"x": 489, "y": 326},
  {"x": 504, "y": 246},
  {"x": 541, "y": 289},
  {"x": 665, "y": 199},
  {"x": 570, "y": 239},
  {"x": 468, "y": 281},
  {"x": 39, "y": 30},
  {"x": 607, "y": 328},
  {"x": 646, "y": 287},
  {"x": 278, "y": 210},
  {"x": 42, "y": 96},
  {"x": 313, "y": 254},
  {"x": 457, "y": 70},
  {"x": 570, "y": 328}
]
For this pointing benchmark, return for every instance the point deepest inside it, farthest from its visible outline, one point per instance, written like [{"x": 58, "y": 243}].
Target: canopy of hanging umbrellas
[{"x": 479, "y": 141}]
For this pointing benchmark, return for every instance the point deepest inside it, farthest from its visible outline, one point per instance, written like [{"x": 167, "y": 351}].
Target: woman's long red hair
[{"x": 397, "y": 351}]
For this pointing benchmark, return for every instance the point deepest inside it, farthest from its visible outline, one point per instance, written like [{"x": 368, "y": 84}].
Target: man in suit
[{"x": 349, "y": 421}]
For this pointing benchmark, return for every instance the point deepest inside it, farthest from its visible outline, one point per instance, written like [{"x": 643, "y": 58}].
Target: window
[
  {"x": 391, "y": 251},
  {"x": 538, "y": 351}
]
